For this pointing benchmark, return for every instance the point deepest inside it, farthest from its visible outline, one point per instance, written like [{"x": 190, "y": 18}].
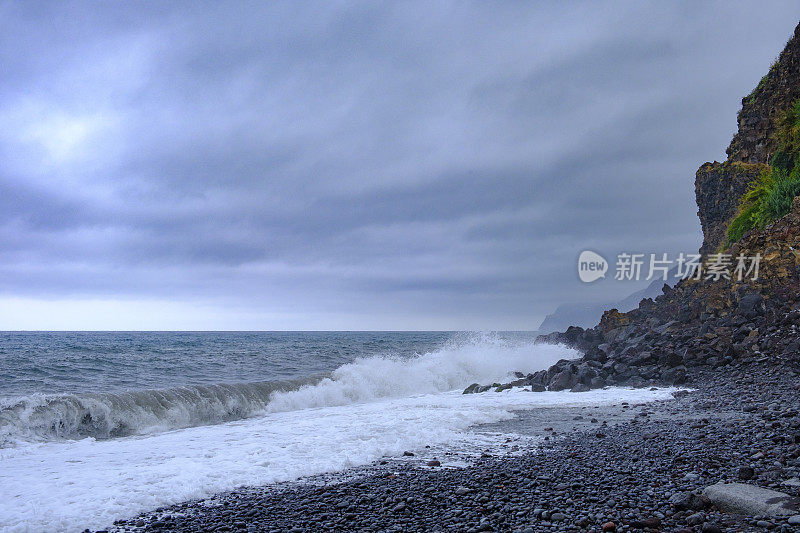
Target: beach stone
[
  {"x": 683, "y": 501},
  {"x": 609, "y": 526},
  {"x": 794, "y": 520},
  {"x": 751, "y": 500},
  {"x": 653, "y": 522},
  {"x": 695, "y": 519},
  {"x": 746, "y": 473}
]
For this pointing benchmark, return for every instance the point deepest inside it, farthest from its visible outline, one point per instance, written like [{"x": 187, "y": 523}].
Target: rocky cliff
[
  {"x": 719, "y": 186},
  {"x": 710, "y": 322},
  {"x": 698, "y": 324}
]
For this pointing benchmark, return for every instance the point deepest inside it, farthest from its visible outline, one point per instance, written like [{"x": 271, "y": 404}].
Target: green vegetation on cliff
[{"x": 770, "y": 196}]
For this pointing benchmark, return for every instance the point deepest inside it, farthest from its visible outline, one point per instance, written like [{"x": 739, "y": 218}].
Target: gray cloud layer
[{"x": 408, "y": 165}]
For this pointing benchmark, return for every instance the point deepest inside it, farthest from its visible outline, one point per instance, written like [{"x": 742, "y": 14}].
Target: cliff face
[
  {"x": 714, "y": 321},
  {"x": 755, "y": 140},
  {"x": 719, "y": 186}
]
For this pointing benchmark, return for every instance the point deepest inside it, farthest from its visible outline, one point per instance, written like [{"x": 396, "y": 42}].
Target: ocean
[{"x": 100, "y": 426}]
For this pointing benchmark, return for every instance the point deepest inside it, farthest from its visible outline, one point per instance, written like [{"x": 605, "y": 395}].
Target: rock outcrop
[
  {"x": 710, "y": 322},
  {"x": 719, "y": 186},
  {"x": 755, "y": 141}
]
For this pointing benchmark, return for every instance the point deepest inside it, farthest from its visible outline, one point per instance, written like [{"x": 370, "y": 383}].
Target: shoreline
[{"x": 633, "y": 465}]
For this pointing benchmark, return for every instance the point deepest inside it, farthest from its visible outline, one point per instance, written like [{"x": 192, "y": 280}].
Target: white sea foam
[
  {"x": 482, "y": 359},
  {"x": 369, "y": 409}
]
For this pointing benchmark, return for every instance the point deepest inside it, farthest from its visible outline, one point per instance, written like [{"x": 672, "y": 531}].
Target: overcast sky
[{"x": 336, "y": 165}]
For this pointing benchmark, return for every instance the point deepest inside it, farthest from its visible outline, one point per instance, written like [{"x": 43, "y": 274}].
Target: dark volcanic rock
[
  {"x": 563, "y": 380},
  {"x": 718, "y": 189},
  {"x": 674, "y": 376},
  {"x": 755, "y": 140},
  {"x": 746, "y": 473},
  {"x": 472, "y": 389},
  {"x": 751, "y": 306}
]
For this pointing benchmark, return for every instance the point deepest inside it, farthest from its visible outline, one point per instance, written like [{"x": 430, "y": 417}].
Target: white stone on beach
[{"x": 751, "y": 500}]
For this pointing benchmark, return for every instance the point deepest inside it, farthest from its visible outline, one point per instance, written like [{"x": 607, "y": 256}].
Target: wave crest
[{"x": 109, "y": 415}]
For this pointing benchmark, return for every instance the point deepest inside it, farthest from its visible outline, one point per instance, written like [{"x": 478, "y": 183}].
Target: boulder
[
  {"x": 585, "y": 374},
  {"x": 751, "y": 305},
  {"x": 673, "y": 359},
  {"x": 597, "y": 382},
  {"x": 563, "y": 380},
  {"x": 674, "y": 376},
  {"x": 539, "y": 377},
  {"x": 751, "y": 500}
]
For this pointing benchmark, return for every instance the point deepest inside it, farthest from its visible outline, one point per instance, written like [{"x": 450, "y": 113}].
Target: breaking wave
[
  {"x": 108, "y": 415},
  {"x": 481, "y": 358}
]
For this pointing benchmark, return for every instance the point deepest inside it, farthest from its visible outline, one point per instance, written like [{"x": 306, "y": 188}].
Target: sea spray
[{"x": 480, "y": 358}]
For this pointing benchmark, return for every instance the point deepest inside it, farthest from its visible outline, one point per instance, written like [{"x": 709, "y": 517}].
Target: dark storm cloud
[{"x": 439, "y": 164}]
